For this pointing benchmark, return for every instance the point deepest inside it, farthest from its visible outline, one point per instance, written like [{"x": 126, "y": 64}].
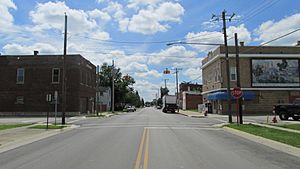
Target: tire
[
  {"x": 296, "y": 118},
  {"x": 283, "y": 115}
]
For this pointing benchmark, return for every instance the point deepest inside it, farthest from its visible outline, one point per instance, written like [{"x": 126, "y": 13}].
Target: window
[
  {"x": 20, "y": 75},
  {"x": 233, "y": 73},
  {"x": 19, "y": 100},
  {"x": 55, "y": 75}
]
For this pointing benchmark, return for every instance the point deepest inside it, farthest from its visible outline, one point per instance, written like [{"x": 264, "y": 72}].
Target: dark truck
[{"x": 285, "y": 111}]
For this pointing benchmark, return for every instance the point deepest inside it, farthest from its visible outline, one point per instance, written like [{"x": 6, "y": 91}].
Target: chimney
[
  {"x": 35, "y": 53},
  {"x": 241, "y": 43},
  {"x": 298, "y": 43}
]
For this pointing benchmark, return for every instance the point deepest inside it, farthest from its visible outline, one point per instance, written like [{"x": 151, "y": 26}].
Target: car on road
[
  {"x": 129, "y": 109},
  {"x": 285, "y": 111},
  {"x": 158, "y": 106}
]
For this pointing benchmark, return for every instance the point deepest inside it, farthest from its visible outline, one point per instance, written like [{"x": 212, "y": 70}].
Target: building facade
[
  {"x": 269, "y": 75},
  {"x": 190, "y": 96},
  {"x": 103, "y": 99},
  {"x": 26, "y": 80}
]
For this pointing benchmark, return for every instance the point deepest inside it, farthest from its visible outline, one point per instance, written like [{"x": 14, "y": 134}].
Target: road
[{"x": 146, "y": 139}]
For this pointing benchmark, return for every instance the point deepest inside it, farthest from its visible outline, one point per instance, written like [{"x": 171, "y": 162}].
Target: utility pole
[
  {"x": 64, "y": 91},
  {"x": 165, "y": 89},
  {"x": 238, "y": 77},
  {"x": 224, "y": 19},
  {"x": 177, "y": 92},
  {"x": 113, "y": 87}
]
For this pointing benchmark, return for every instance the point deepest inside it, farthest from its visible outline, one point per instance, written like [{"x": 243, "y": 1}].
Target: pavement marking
[
  {"x": 140, "y": 151},
  {"x": 146, "y": 152}
]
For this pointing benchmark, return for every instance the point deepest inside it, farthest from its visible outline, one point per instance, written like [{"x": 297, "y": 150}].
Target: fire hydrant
[{"x": 274, "y": 120}]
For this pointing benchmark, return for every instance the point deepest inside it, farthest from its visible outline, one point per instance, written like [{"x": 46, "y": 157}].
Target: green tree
[
  {"x": 163, "y": 91},
  {"x": 123, "y": 90}
]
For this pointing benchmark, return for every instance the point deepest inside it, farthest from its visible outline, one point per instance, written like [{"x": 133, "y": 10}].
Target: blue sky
[{"x": 102, "y": 30}]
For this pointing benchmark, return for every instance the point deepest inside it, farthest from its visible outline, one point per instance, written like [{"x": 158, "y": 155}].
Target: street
[{"x": 147, "y": 139}]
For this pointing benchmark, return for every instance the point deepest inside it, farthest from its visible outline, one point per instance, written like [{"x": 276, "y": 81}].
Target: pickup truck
[{"x": 285, "y": 111}]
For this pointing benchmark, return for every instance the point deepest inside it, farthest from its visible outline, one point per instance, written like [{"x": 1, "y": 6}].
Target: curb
[
  {"x": 267, "y": 142},
  {"x": 194, "y": 116},
  {"x": 49, "y": 133}
]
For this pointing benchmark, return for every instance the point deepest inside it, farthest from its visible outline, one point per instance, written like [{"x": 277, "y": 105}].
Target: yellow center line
[
  {"x": 140, "y": 151},
  {"x": 146, "y": 152}
]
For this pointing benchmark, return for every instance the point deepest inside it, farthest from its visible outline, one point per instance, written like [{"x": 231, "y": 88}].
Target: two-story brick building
[
  {"x": 190, "y": 95},
  {"x": 269, "y": 75},
  {"x": 26, "y": 80}
]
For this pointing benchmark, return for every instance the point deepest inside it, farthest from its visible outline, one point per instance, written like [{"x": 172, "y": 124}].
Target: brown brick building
[
  {"x": 190, "y": 96},
  {"x": 269, "y": 75},
  {"x": 26, "y": 80}
]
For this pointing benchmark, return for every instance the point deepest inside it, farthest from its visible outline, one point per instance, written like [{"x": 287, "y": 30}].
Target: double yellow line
[{"x": 144, "y": 141}]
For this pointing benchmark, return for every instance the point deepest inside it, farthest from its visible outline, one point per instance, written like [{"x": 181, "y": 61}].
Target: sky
[{"x": 135, "y": 33}]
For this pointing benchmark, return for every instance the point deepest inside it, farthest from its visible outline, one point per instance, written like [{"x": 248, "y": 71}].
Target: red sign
[
  {"x": 167, "y": 71},
  {"x": 236, "y": 92}
]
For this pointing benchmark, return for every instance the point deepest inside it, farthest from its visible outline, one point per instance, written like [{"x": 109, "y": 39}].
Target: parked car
[
  {"x": 158, "y": 106},
  {"x": 129, "y": 109},
  {"x": 285, "y": 111}
]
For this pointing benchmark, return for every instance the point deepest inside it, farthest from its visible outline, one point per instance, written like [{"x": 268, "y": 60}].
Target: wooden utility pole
[
  {"x": 238, "y": 77},
  {"x": 113, "y": 87},
  {"x": 64, "y": 91},
  {"x": 177, "y": 91},
  {"x": 224, "y": 18}
]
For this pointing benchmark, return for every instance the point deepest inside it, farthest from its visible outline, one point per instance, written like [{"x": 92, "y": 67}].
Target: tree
[
  {"x": 123, "y": 92},
  {"x": 163, "y": 91},
  {"x": 142, "y": 102}
]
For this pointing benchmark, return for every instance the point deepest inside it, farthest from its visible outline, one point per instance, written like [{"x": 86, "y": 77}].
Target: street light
[{"x": 193, "y": 43}]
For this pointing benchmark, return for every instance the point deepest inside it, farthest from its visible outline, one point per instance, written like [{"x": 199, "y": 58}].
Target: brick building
[
  {"x": 27, "y": 79},
  {"x": 269, "y": 75},
  {"x": 190, "y": 96}
]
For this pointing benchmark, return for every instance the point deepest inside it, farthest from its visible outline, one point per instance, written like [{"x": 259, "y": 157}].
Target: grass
[
  {"x": 51, "y": 126},
  {"x": 290, "y": 126},
  {"x": 9, "y": 126},
  {"x": 286, "y": 137}
]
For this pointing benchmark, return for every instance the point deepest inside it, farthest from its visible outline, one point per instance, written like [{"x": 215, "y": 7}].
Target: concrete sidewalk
[
  {"x": 16, "y": 137},
  {"x": 191, "y": 113}
]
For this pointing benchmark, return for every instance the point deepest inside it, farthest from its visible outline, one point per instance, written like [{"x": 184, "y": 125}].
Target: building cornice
[
  {"x": 250, "y": 89},
  {"x": 251, "y": 56}
]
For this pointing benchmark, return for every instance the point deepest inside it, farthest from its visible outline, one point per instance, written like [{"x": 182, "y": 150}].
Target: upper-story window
[
  {"x": 55, "y": 75},
  {"x": 233, "y": 73},
  {"x": 20, "y": 75}
]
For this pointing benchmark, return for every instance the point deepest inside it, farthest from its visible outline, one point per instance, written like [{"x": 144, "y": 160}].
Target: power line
[
  {"x": 146, "y": 42},
  {"x": 272, "y": 40},
  {"x": 258, "y": 10}
]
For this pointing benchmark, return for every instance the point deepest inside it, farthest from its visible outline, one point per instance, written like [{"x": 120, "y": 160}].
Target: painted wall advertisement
[{"x": 275, "y": 72}]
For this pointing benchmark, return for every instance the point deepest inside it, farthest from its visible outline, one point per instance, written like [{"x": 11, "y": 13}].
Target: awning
[{"x": 223, "y": 96}]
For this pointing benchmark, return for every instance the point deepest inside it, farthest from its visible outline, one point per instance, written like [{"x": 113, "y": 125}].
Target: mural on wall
[{"x": 275, "y": 72}]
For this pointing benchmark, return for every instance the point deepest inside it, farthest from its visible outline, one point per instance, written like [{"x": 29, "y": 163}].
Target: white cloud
[
  {"x": 23, "y": 49},
  {"x": 138, "y": 3},
  {"x": 272, "y": 29},
  {"x": 153, "y": 19},
  {"x": 148, "y": 73},
  {"x": 50, "y": 15},
  {"x": 116, "y": 9},
  {"x": 218, "y": 37},
  {"x": 193, "y": 73},
  {"x": 6, "y": 18},
  {"x": 174, "y": 56},
  {"x": 146, "y": 89},
  {"x": 96, "y": 13}
]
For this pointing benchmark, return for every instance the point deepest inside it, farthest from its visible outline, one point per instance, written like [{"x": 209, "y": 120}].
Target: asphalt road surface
[{"x": 146, "y": 139}]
